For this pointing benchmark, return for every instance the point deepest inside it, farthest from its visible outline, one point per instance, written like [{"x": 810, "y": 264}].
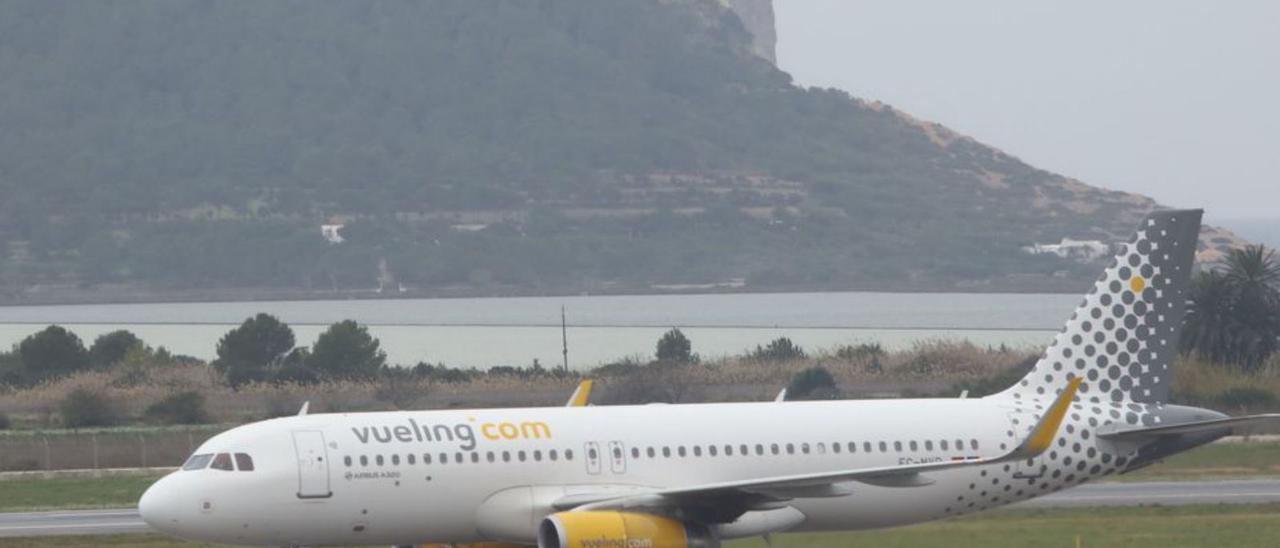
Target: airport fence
[{"x": 100, "y": 449}]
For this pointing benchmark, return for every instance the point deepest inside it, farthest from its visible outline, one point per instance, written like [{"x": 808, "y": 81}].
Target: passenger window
[
  {"x": 804, "y": 448},
  {"x": 347, "y": 461},
  {"x": 711, "y": 450},
  {"x": 743, "y": 450},
  {"x": 378, "y": 460},
  {"x": 412, "y": 458},
  {"x": 973, "y": 444},
  {"x": 835, "y": 447},
  {"x": 591, "y": 454},
  {"x": 475, "y": 458},
  {"x": 244, "y": 462},
  {"x": 537, "y": 455},
  {"x": 506, "y": 456},
  {"x": 884, "y": 447},
  {"x": 680, "y": 451},
  {"x": 222, "y": 462},
  {"x": 822, "y": 448},
  {"x": 773, "y": 448},
  {"x": 395, "y": 459},
  {"x": 866, "y": 447},
  {"x": 553, "y": 455},
  {"x": 666, "y": 452},
  {"x": 791, "y": 449},
  {"x": 944, "y": 445},
  {"x": 197, "y": 462},
  {"x": 928, "y": 445},
  {"x": 364, "y": 460},
  {"x": 635, "y": 452},
  {"x": 568, "y": 454},
  {"x": 759, "y": 449},
  {"x": 520, "y": 455},
  {"x": 897, "y": 446},
  {"x": 489, "y": 456},
  {"x": 914, "y": 446},
  {"x": 650, "y": 452},
  {"x": 444, "y": 458},
  {"x": 728, "y": 450},
  {"x": 959, "y": 445},
  {"x": 426, "y": 458},
  {"x": 458, "y": 458},
  {"x": 697, "y": 450}
]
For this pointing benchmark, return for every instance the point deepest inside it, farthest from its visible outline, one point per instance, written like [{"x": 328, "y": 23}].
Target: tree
[
  {"x": 248, "y": 353},
  {"x": 52, "y": 352},
  {"x": 109, "y": 348},
  {"x": 346, "y": 351},
  {"x": 673, "y": 346},
  {"x": 1233, "y": 316}
]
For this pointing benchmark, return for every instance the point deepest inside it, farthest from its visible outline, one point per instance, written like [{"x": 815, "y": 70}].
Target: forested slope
[{"x": 556, "y": 145}]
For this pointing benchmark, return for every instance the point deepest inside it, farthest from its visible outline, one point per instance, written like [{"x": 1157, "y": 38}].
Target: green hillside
[{"x": 555, "y": 145}]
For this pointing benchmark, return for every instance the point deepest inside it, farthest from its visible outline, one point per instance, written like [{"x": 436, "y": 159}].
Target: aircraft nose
[{"x": 159, "y": 506}]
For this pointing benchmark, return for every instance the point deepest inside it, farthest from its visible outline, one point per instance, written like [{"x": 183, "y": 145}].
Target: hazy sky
[{"x": 1179, "y": 100}]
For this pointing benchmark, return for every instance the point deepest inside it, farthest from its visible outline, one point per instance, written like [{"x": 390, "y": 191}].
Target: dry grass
[{"x": 928, "y": 367}]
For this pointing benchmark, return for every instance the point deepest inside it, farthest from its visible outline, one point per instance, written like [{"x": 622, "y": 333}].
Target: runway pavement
[
  {"x": 71, "y": 522},
  {"x": 1250, "y": 491}
]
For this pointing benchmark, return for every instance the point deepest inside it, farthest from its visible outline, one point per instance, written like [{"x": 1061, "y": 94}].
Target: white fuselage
[{"x": 363, "y": 478}]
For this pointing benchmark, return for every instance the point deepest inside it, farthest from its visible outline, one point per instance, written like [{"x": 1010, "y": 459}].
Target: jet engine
[{"x": 621, "y": 530}]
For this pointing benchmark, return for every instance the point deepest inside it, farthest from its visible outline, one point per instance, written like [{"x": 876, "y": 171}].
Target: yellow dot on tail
[{"x": 1137, "y": 284}]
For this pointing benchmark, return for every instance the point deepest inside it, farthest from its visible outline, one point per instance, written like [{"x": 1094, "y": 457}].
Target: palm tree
[
  {"x": 1233, "y": 317},
  {"x": 1208, "y": 328}
]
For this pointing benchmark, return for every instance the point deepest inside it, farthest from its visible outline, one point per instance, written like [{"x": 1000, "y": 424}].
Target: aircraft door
[
  {"x": 313, "y": 465},
  {"x": 617, "y": 457},
  {"x": 593, "y": 458}
]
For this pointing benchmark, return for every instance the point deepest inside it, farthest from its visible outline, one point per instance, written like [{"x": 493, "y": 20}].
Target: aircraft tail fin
[{"x": 1124, "y": 336}]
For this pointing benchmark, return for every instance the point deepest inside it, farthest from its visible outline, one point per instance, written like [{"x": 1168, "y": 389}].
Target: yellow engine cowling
[{"x": 621, "y": 530}]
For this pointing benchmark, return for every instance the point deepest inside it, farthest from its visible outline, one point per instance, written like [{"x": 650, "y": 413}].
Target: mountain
[{"x": 520, "y": 147}]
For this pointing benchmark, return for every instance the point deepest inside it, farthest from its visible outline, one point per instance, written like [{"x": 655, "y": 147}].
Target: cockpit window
[
  {"x": 197, "y": 462},
  {"x": 222, "y": 462},
  {"x": 244, "y": 462}
]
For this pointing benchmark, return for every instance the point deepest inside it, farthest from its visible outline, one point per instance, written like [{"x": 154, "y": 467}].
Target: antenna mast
[{"x": 564, "y": 337}]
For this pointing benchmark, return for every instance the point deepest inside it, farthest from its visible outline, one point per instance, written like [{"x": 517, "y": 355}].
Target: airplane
[{"x": 675, "y": 476}]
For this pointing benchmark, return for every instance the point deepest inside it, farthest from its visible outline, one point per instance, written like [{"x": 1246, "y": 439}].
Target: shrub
[
  {"x": 4, "y": 422},
  {"x": 995, "y": 383},
  {"x": 1248, "y": 398},
  {"x": 88, "y": 408},
  {"x": 181, "y": 408},
  {"x": 814, "y": 383},
  {"x": 779, "y": 349},
  {"x": 860, "y": 352}
]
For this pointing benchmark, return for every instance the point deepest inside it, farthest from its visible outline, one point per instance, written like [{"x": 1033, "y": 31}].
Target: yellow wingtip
[
  {"x": 1047, "y": 430},
  {"x": 582, "y": 395}
]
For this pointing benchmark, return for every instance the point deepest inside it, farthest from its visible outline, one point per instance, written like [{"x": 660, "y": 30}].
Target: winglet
[
  {"x": 306, "y": 406},
  {"x": 1046, "y": 430},
  {"x": 581, "y": 395},
  {"x": 782, "y": 396}
]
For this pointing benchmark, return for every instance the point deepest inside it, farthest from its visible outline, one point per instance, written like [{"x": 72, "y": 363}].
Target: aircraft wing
[
  {"x": 1239, "y": 425},
  {"x": 730, "y": 499}
]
